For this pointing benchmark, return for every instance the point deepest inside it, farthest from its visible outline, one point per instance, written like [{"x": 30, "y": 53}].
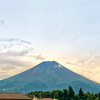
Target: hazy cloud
[
  {"x": 16, "y": 55},
  {"x": 14, "y": 40},
  {"x": 9, "y": 39},
  {"x": 23, "y": 41},
  {"x": 87, "y": 66},
  {"x": 2, "y": 22},
  {"x": 9, "y": 60},
  {"x": 70, "y": 63},
  {"x": 39, "y": 57},
  {"x": 8, "y": 67}
]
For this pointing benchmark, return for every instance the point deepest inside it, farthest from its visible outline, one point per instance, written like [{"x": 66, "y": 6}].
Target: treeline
[{"x": 66, "y": 94}]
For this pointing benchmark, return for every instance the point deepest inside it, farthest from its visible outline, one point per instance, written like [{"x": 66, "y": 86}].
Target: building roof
[
  {"x": 46, "y": 99},
  {"x": 31, "y": 96},
  {"x": 13, "y": 96}
]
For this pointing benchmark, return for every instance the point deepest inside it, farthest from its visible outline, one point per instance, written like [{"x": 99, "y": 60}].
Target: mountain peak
[
  {"x": 52, "y": 64},
  {"x": 49, "y": 62}
]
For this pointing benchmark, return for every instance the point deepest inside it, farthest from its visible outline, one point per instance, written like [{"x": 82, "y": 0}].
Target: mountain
[{"x": 48, "y": 75}]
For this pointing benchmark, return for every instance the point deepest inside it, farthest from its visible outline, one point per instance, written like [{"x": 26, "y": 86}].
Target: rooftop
[
  {"x": 14, "y": 96},
  {"x": 46, "y": 99}
]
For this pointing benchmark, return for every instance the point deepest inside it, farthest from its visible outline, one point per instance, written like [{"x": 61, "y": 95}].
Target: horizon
[{"x": 64, "y": 31}]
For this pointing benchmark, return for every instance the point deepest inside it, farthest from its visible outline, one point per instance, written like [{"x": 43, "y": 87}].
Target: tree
[
  {"x": 47, "y": 94},
  {"x": 99, "y": 95},
  {"x": 60, "y": 95},
  {"x": 54, "y": 94},
  {"x": 81, "y": 92},
  {"x": 71, "y": 93},
  {"x": 65, "y": 94}
]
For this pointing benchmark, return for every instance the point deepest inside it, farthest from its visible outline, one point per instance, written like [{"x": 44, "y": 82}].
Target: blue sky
[{"x": 66, "y": 31}]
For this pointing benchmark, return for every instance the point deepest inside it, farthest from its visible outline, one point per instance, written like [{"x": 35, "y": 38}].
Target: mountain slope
[{"x": 47, "y": 75}]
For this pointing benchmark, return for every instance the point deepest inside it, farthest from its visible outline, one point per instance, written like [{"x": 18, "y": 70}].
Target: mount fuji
[{"x": 47, "y": 76}]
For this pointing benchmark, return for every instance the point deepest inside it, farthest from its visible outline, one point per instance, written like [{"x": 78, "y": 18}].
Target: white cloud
[
  {"x": 16, "y": 55},
  {"x": 87, "y": 66}
]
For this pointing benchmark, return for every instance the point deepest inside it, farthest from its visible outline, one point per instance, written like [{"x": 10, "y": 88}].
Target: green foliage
[
  {"x": 66, "y": 94},
  {"x": 71, "y": 93},
  {"x": 81, "y": 92},
  {"x": 97, "y": 98},
  {"x": 46, "y": 94},
  {"x": 55, "y": 94},
  {"x": 81, "y": 95},
  {"x": 60, "y": 95}
]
